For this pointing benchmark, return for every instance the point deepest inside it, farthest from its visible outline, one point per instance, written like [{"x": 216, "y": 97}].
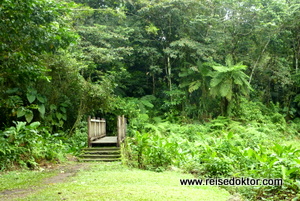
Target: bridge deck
[{"x": 106, "y": 140}]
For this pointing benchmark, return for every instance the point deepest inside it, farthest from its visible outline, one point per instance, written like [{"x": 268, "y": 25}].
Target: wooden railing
[
  {"x": 121, "y": 129},
  {"x": 96, "y": 129}
]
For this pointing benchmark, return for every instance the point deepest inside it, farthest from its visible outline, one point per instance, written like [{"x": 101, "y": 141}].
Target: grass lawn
[
  {"x": 22, "y": 179},
  {"x": 113, "y": 181}
]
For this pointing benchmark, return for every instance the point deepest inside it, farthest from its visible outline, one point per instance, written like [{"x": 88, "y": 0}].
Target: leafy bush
[
  {"x": 28, "y": 145},
  {"x": 77, "y": 141},
  {"x": 152, "y": 152},
  {"x": 217, "y": 167}
]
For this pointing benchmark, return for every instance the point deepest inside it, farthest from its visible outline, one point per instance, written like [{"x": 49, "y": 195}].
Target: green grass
[
  {"x": 112, "y": 181},
  {"x": 22, "y": 179}
]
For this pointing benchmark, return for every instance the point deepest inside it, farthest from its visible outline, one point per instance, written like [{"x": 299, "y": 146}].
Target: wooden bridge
[{"x": 101, "y": 146}]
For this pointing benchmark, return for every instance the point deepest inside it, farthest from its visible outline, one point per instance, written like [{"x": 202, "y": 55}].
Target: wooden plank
[
  {"x": 93, "y": 149},
  {"x": 101, "y": 159},
  {"x": 107, "y": 139},
  {"x": 97, "y": 120},
  {"x": 97, "y": 137}
]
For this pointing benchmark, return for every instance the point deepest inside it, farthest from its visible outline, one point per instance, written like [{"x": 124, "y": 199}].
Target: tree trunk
[
  {"x": 224, "y": 107},
  {"x": 169, "y": 73},
  {"x": 258, "y": 58}
]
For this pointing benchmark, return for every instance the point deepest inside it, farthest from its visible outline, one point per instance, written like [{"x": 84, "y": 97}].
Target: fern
[
  {"x": 216, "y": 80},
  {"x": 194, "y": 86},
  {"x": 226, "y": 89},
  {"x": 226, "y": 79}
]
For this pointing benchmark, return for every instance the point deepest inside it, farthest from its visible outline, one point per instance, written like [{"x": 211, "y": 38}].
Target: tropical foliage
[
  {"x": 222, "y": 149},
  {"x": 205, "y": 85}
]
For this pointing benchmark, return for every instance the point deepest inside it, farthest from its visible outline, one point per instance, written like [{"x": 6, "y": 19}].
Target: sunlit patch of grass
[{"x": 113, "y": 181}]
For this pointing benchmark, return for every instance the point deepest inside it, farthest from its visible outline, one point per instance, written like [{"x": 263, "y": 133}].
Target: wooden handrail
[{"x": 96, "y": 129}]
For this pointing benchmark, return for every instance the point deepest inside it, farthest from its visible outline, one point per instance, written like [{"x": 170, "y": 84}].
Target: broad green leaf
[
  {"x": 64, "y": 105},
  {"x": 31, "y": 97},
  {"x": 58, "y": 115},
  {"x": 41, "y": 109},
  {"x": 64, "y": 117},
  {"x": 20, "y": 112},
  {"x": 53, "y": 107},
  {"x": 63, "y": 109},
  {"x": 41, "y": 98},
  {"x": 35, "y": 124},
  {"x": 29, "y": 116}
]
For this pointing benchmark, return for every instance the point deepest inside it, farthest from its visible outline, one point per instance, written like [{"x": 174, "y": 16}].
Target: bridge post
[
  {"x": 121, "y": 124},
  {"x": 89, "y": 131}
]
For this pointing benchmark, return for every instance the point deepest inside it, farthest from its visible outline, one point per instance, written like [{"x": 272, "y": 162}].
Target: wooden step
[
  {"x": 100, "y": 160},
  {"x": 102, "y": 149},
  {"x": 101, "y": 154}
]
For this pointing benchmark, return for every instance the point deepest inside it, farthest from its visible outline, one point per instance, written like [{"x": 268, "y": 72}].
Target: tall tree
[{"x": 28, "y": 29}]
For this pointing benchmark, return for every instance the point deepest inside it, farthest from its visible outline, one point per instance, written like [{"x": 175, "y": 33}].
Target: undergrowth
[
  {"x": 222, "y": 148},
  {"x": 30, "y": 145}
]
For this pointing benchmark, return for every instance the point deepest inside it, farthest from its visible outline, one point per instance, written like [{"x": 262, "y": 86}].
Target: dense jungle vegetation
[{"x": 208, "y": 86}]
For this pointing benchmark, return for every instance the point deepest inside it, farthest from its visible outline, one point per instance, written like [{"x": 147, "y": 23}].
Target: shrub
[{"x": 27, "y": 145}]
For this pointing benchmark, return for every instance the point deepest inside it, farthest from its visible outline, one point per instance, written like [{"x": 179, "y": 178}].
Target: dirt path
[{"x": 65, "y": 171}]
